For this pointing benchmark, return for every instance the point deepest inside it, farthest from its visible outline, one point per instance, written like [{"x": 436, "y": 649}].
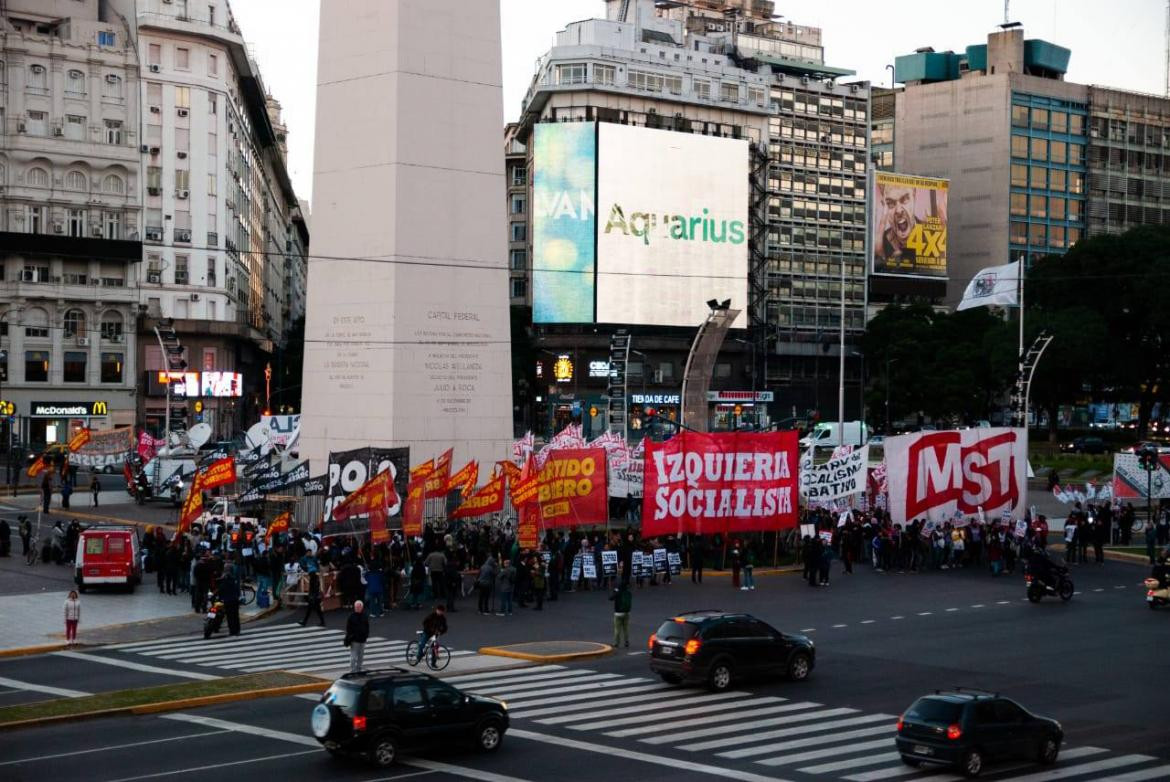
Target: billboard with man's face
[{"x": 909, "y": 225}]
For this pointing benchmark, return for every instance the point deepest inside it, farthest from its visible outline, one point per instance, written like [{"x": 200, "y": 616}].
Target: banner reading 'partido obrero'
[
  {"x": 725, "y": 482},
  {"x": 571, "y": 488}
]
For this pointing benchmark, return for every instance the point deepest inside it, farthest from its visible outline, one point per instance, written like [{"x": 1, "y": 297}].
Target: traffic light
[{"x": 1148, "y": 459}]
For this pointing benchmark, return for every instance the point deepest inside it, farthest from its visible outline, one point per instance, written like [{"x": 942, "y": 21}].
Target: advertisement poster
[
  {"x": 670, "y": 201},
  {"x": 563, "y": 221},
  {"x": 1131, "y": 481},
  {"x": 572, "y": 488},
  {"x": 841, "y": 477},
  {"x": 944, "y": 475},
  {"x": 349, "y": 470},
  {"x": 723, "y": 482},
  {"x": 909, "y": 225}
]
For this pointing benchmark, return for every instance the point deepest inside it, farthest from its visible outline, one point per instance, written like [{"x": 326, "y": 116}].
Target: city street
[{"x": 882, "y": 639}]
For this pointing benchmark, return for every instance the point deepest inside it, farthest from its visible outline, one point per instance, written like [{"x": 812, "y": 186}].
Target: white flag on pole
[{"x": 994, "y": 286}]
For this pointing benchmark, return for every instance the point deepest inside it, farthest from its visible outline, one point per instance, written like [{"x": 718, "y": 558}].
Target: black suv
[
  {"x": 717, "y": 647},
  {"x": 967, "y": 728},
  {"x": 378, "y": 713}
]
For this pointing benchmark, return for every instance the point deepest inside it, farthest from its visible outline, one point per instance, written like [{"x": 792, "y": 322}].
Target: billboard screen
[
  {"x": 672, "y": 225},
  {"x": 563, "y": 222},
  {"x": 909, "y": 225}
]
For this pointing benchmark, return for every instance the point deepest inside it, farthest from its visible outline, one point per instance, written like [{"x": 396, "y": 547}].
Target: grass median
[{"x": 156, "y": 698}]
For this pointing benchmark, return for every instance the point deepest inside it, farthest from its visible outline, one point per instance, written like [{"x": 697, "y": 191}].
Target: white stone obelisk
[{"x": 407, "y": 335}]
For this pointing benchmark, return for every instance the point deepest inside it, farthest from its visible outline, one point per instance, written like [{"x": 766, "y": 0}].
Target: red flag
[
  {"x": 78, "y": 440},
  {"x": 465, "y": 479},
  {"x": 412, "y": 510},
  {"x": 278, "y": 525},
  {"x": 524, "y": 488},
  {"x": 373, "y": 498},
  {"x": 423, "y": 470},
  {"x": 437, "y": 482},
  {"x": 193, "y": 505},
  {"x": 489, "y": 499},
  {"x": 221, "y": 472},
  {"x": 510, "y": 470},
  {"x": 572, "y": 488}
]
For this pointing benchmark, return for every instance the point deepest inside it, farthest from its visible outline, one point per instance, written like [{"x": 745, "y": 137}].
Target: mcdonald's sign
[{"x": 95, "y": 409}]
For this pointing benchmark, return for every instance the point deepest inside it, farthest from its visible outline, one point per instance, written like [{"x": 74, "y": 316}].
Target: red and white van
[{"x": 108, "y": 555}]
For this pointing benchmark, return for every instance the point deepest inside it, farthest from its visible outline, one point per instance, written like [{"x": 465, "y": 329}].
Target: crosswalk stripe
[
  {"x": 830, "y": 738},
  {"x": 670, "y": 719},
  {"x": 188, "y": 642},
  {"x": 817, "y": 754},
  {"x": 1085, "y": 768},
  {"x": 903, "y": 770},
  {"x": 222, "y": 643},
  {"x": 140, "y": 645},
  {"x": 841, "y": 765},
  {"x": 1159, "y": 772},
  {"x": 661, "y": 701},
  {"x": 569, "y": 692},
  {"x": 554, "y": 685},
  {"x": 339, "y": 660},
  {"x": 799, "y": 730},
  {"x": 645, "y": 689},
  {"x": 751, "y": 725},
  {"x": 282, "y": 659},
  {"x": 261, "y": 652},
  {"x": 786, "y": 709},
  {"x": 523, "y": 674}
]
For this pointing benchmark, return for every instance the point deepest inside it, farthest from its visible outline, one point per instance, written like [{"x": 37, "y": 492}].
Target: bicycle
[
  {"x": 247, "y": 593},
  {"x": 438, "y": 656},
  {"x": 34, "y": 550}
]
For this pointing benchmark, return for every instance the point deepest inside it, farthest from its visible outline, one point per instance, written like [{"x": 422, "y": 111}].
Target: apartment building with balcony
[{"x": 70, "y": 216}]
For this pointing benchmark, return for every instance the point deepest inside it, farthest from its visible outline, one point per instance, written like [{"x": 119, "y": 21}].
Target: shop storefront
[
  {"x": 57, "y": 421},
  {"x": 651, "y": 414},
  {"x": 588, "y": 410},
  {"x": 731, "y": 411}
]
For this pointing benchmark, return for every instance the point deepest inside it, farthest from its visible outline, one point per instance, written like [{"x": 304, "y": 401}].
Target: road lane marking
[
  {"x": 46, "y": 689},
  {"x": 644, "y": 757},
  {"x": 813, "y": 727},
  {"x": 896, "y": 618},
  {"x": 663, "y": 700},
  {"x": 836, "y": 626},
  {"x": 748, "y": 725},
  {"x": 809, "y": 630},
  {"x": 662, "y": 724},
  {"x": 1086, "y": 768},
  {"x": 94, "y": 658},
  {"x": 531, "y": 672},
  {"x": 977, "y": 605},
  {"x": 195, "y": 769},
  {"x": 867, "y": 621},
  {"x": 841, "y": 765},
  {"x": 295, "y": 738},
  {"x": 925, "y": 613},
  {"x": 817, "y": 754},
  {"x": 112, "y": 747},
  {"x": 950, "y": 610},
  {"x": 1003, "y": 602}
]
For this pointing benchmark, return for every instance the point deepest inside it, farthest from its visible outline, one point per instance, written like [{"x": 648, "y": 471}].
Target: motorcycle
[
  {"x": 1156, "y": 594},
  {"x": 214, "y": 618},
  {"x": 1037, "y": 588},
  {"x": 141, "y": 490}
]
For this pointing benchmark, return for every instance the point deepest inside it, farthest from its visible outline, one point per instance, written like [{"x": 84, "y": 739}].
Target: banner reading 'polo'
[
  {"x": 572, "y": 488},
  {"x": 725, "y": 482},
  {"x": 936, "y": 475}
]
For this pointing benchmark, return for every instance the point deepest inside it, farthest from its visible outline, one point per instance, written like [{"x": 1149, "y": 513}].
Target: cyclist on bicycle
[{"x": 433, "y": 626}]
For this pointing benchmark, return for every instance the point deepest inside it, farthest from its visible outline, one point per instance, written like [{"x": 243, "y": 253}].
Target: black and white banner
[
  {"x": 316, "y": 486},
  {"x": 842, "y": 476},
  {"x": 349, "y": 470}
]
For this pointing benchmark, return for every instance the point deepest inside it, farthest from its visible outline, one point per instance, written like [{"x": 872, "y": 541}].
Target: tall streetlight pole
[{"x": 841, "y": 365}]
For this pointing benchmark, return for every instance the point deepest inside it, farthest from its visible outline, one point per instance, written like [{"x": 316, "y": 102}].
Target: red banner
[
  {"x": 412, "y": 511},
  {"x": 489, "y": 499},
  {"x": 221, "y": 472},
  {"x": 527, "y": 536},
  {"x": 193, "y": 505},
  {"x": 437, "y": 481},
  {"x": 571, "y": 488},
  {"x": 423, "y": 470},
  {"x": 465, "y": 479},
  {"x": 510, "y": 470},
  {"x": 148, "y": 445},
  {"x": 278, "y": 525},
  {"x": 371, "y": 498},
  {"x": 78, "y": 440},
  {"x": 524, "y": 488},
  {"x": 727, "y": 482}
]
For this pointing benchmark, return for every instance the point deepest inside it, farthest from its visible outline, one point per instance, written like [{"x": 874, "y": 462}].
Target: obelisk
[{"x": 407, "y": 334}]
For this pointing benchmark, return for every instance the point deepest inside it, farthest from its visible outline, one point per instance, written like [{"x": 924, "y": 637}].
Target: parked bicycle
[{"x": 437, "y": 656}]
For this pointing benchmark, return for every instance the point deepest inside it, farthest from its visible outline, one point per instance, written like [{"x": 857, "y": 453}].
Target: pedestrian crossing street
[
  {"x": 284, "y": 647},
  {"x": 792, "y": 736}
]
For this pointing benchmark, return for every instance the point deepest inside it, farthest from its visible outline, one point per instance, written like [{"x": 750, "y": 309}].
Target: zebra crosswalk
[
  {"x": 797, "y": 738},
  {"x": 312, "y": 650}
]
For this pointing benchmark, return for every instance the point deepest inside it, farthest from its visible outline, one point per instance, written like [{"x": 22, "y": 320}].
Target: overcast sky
[{"x": 1119, "y": 43}]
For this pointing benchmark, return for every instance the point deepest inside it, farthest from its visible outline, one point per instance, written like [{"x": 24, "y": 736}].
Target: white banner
[
  {"x": 941, "y": 475},
  {"x": 842, "y": 476},
  {"x": 625, "y": 478}
]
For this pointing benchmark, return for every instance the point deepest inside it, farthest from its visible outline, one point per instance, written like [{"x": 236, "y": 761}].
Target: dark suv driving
[
  {"x": 717, "y": 647},
  {"x": 967, "y": 728},
  {"x": 379, "y": 713}
]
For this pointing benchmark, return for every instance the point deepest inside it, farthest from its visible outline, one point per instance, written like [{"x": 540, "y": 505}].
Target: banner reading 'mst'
[
  {"x": 571, "y": 488},
  {"x": 728, "y": 482},
  {"x": 936, "y": 475}
]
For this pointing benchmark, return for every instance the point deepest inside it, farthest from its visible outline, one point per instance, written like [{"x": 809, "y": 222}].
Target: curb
[
  {"x": 1117, "y": 556},
  {"x": 504, "y": 651},
  {"x": 24, "y": 651},
  {"x": 166, "y": 706},
  {"x": 772, "y": 571}
]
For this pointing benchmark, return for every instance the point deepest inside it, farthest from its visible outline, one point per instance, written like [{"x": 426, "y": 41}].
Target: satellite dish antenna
[
  {"x": 258, "y": 435},
  {"x": 199, "y": 434}
]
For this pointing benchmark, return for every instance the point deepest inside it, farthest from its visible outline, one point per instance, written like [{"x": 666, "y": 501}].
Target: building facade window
[
  {"x": 111, "y": 368},
  {"x": 114, "y": 185},
  {"x": 35, "y": 217},
  {"x": 38, "y": 80},
  {"x": 182, "y": 97},
  {"x": 517, "y": 206},
  {"x": 519, "y": 232},
  {"x": 572, "y": 73},
  {"x": 729, "y": 92},
  {"x": 36, "y": 366},
  {"x": 519, "y": 176},
  {"x": 37, "y": 123},
  {"x": 113, "y": 87},
  {"x": 519, "y": 260},
  {"x": 75, "y": 84},
  {"x": 106, "y": 38},
  {"x": 76, "y": 222},
  {"x": 113, "y": 131},
  {"x": 75, "y": 127},
  {"x": 112, "y": 327},
  {"x": 519, "y": 287},
  {"x": 75, "y": 366},
  {"x": 76, "y": 181},
  {"x": 702, "y": 89},
  {"x": 37, "y": 177},
  {"x": 112, "y": 225},
  {"x": 605, "y": 75},
  {"x": 182, "y": 58},
  {"x": 154, "y": 54}
]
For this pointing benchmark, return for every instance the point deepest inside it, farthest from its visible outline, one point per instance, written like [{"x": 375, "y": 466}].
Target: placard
[
  {"x": 609, "y": 563},
  {"x": 575, "y": 571},
  {"x": 590, "y": 566},
  {"x": 635, "y": 564},
  {"x": 659, "y": 560},
  {"x": 675, "y": 562}
]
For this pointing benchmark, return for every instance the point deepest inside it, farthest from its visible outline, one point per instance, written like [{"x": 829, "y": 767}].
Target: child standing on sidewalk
[{"x": 72, "y": 617}]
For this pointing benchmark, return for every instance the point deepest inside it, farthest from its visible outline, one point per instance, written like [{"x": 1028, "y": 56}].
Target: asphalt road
[{"x": 1097, "y": 664}]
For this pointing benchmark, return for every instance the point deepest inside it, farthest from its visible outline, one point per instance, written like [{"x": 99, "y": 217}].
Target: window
[
  {"x": 113, "y": 184},
  {"x": 666, "y": 370},
  {"x": 1019, "y": 232},
  {"x": 1055, "y": 208},
  {"x": 1074, "y": 213},
  {"x": 36, "y": 366},
  {"x": 182, "y": 179},
  {"x": 112, "y": 225},
  {"x": 1076, "y": 127},
  {"x": 75, "y": 366},
  {"x": 211, "y": 274},
  {"x": 38, "y": 80},
  {"x": 1039, "y": 177},
  {"x": 75, "y": 83},
  {"x": 1019, "y": 175},
  {"x": 182, "y": 58},
  {"x": 1076, "y": 182},
  {"x": 408, "y": 696},
  {"x": 519, "y": 175},
  {"x": 673, "y": 84},
  {"x": 519, "y": 288},
  {"x": 77, "y": 222},
  {"x": 182, "y": 97},
  {"x": 1019, "y": 116},
  {"x": 1039, "y": 119},
  {"x": 443, "y": 696},
  {"x": 36, "y": 221},
  {"x": 571, "y": 73},
  {"x": 1056, "y": 236},
  {"x": 1057, "y": 180},
  {"x": 604, "y": 74},
  {"x": 644, "y": 80},
  {"x": 1038, "y": 206},
  {"x": 154, "y": 54},
  {"x": 37, "y": 125},
  {"x": 112, "y": 327},
  {"x": 1019, "y": 205},
  {"x": 1058, "y": 152},
  {"x": 212, "y": 107},
  {"x": 113, "y": 131},
  {"x": 1037, "y": 234},
  {"x": 1039, "y": 149},
  {"x": 1059, "y": 122},
  {"x": 75, "y": 180},
  {"x": 702, "y": 89},
  {"x": 75, "y": 131},
  {"x": 1074, "y": 236},
  {"x": 106, "y": 38},
  {"x": 111, "y": 367},
  {"x": 519, "y": 260},
  {"x": 517, "y": 204},
  {"x": 38, "y": 177},
  {"x": 212, "y": 65},
  {"x": 1076, "y": 154},
  {"x": 756, "y": 95},
  {"x": 729, "y": 93},
  {"x": 182, "y": 275},
  {"x": 519, "y": 232},
  {"x": 113, "y": 87},
  {"x": 1019, "y": 146}
]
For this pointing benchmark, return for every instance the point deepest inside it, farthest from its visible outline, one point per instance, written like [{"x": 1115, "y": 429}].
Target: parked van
[
  {"x": 108, "y": 555},
  {"x": 829, "y": 435}
]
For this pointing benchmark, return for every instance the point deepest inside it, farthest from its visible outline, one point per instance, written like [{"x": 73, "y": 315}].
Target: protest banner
[
  {"x": 572, "y": 488},
  {"x": 609, "y": 563},
  {"x": 437, "y": 480},
  {"x": 489, "y": 498},
  {"x": 349, "y": 470},
  {"x": 107, "y": 450},
  {"x": 842, "y": 476}
]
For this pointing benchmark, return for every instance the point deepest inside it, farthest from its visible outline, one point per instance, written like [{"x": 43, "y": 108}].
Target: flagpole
[{"x": 1020, "y": 279}]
